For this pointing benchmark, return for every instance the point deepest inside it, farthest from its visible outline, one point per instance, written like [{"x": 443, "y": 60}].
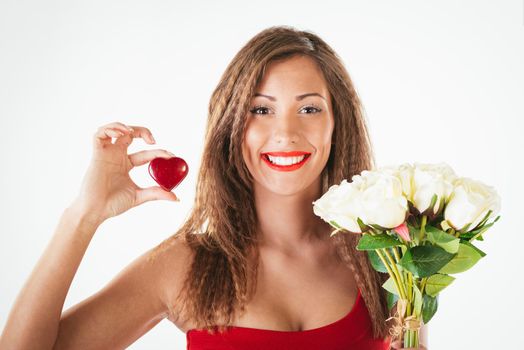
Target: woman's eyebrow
[{"x": 298, "y": 98}]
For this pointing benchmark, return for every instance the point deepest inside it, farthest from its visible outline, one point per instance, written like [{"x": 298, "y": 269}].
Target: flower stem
[
  {"x": 453, "y": 233},
  {"x": 422, "y": 226},
  {"x": 391, "y": 273},
  {"x": 410, "y": 292},
  {"x": 400, "y": 278},
  {"x": 403, "y": 274},
  {"x": 397, "y": 256},
  {"x": 423, "y": 284},
  {"x": 411, "y": 337}
]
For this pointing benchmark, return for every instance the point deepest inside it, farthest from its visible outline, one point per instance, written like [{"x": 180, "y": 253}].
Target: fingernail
[
  {"x": 152, "y": 138},
  {"x": 171, "y": 154},
  {"x": 130, "y": 128}
]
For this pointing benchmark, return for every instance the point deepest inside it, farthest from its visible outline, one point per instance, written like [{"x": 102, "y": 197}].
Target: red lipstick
[
  {"x": 292, "y": 167},
  {"x": 287, "y": 154}
]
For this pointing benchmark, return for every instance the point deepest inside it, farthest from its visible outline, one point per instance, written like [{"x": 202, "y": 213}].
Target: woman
[{"x": 285, "y": 123}]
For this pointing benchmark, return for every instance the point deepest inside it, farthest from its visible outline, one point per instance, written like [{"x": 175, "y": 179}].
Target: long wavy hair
[{"x": 221, "y": 227}]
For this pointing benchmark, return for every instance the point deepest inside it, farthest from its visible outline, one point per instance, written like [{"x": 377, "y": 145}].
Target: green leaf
[
  {"x": 390, "y": 286},
  {"x": 424, "y": 261},
  {"x": 335, "y": 225},
  {"x": 483, "y": 221},
  {"x": 381, "y": 240},
  {"x": 435, "y": 283},
  {"x": 464, "y": 260},
  {"x": 476, "y": 233},
  {"x": 377, "y": 227},
  {"x": 482, "y": 254},
  {"x": 465, "y": 228},
  {"x": 468, "y": 236},
  {"x": 443, "y": 239},
  {"x": 391, "y": 299},
  {"x": 413, "y": 233},
  {"x": 432, "y": 203},
  {"x": 417, "y": 303},
  {"x": 429, "y": 307},
  {"x": 375, "y": 261},
  {"x": 399, "y": 268},
  {"x": 412, "y": 229},
  {"x": 362, "y": 225}
]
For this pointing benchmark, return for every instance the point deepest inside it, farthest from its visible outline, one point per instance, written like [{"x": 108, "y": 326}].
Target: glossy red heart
[{"x": 168, "y": 172}]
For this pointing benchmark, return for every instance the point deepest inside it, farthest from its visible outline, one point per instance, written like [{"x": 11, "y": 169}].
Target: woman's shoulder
[
  {"x": 174, "y": 255},
  {"x": 172, "y": 249},
  {"x": 173, "y": 258}
]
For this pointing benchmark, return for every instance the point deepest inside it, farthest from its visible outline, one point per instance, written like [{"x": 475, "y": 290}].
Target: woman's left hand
[{"x": 397, "y": 345}]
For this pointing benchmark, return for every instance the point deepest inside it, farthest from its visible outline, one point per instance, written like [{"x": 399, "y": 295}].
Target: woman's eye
[
  {"x": 265, "y": 110},
  {"x": 259, "y": 110},
  {"x": 313, "y": 109}
]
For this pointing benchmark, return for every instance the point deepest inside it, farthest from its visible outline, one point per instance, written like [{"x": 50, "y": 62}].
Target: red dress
[{"x": 353, "y": 331}]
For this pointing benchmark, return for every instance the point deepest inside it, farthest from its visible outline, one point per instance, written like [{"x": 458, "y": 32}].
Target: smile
[{"x": 285, "y": 161}]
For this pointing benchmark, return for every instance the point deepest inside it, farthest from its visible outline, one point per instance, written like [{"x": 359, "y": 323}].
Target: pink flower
[{"x": 403, "y": 231}]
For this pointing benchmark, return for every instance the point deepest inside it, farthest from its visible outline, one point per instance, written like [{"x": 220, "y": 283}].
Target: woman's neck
[{"x": 288, "y": 223}]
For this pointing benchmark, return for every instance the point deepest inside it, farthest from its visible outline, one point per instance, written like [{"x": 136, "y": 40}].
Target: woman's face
[{"x": 290, "y": 123}]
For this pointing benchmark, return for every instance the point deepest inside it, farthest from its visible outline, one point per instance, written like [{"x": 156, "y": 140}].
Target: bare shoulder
[
  {"x": 173, "y": 257},
  {"x": 129, "y": 305},
  {"x": 173, "y": 249}
]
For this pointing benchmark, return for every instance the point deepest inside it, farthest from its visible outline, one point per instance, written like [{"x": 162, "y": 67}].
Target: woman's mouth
[{"x": 286, "y": 163}]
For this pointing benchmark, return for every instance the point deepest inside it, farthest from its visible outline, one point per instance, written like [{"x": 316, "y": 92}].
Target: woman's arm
[
  {"x": 113, "y": 318},
  {"x": 129, "y": 305},
  {"x": 34, "y": 317}
]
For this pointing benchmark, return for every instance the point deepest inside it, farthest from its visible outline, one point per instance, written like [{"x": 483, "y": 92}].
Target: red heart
[{"x": 168, "y": 172}]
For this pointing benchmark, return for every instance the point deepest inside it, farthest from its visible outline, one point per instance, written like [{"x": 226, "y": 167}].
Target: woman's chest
[
  {"x": 296, "y": 294},
  {"x": 299, "y": 296}
]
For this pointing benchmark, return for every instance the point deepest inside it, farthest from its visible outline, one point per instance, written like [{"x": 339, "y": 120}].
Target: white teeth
[{"x": 285, "y": 160}]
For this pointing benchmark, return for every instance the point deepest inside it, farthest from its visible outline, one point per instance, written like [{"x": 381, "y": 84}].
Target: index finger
[{"x": 138, "y": 132}]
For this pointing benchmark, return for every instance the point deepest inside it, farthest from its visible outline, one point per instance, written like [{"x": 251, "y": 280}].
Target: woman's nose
[{"x": 287, "y": 129}]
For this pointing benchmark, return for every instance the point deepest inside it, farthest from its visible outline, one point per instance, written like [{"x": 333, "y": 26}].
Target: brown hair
[{"x": 220, "y": 229}]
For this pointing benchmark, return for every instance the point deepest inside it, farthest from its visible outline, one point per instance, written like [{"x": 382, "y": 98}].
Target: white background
[{"x": 440, "y": 81}]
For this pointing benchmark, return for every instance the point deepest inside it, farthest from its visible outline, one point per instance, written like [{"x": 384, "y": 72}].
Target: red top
[{"x": 353, "y": 331}]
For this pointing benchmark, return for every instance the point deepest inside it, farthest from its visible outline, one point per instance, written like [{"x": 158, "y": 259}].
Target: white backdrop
[{"x": 440, "y": 81}]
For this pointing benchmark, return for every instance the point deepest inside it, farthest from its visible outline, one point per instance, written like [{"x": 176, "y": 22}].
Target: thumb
[{"x": 154, "y": 193}]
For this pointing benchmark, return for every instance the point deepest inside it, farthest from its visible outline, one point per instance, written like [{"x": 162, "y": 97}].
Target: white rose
[
  {"x": 470, "y": 201},
  {"x": 404, "y": 173},
  {"x": 430, "y": 179},
  {"x": 341, "y": 204},
  {"x": 383, "y": 202},
  {"x": 373, "y": 196}
]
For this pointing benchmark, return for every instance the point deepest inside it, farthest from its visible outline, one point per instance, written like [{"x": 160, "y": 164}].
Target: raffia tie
[{"x": 402, "y": 324}]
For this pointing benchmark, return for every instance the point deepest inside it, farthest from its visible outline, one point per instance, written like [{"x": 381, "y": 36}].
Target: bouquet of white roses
[{"x": 418, "y": 223}]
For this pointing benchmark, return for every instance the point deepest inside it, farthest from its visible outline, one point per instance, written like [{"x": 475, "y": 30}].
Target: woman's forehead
[{"x": 294, "y": 75}]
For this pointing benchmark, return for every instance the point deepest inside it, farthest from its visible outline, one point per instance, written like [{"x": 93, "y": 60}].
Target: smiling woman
[
  {"x": 284, "y": 124},
  {"x": 295, "y": 132}
]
